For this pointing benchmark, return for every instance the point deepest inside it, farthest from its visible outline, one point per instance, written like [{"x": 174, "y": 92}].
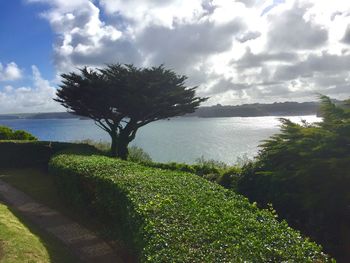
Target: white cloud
[
  {"x": 10, "y": 72},
  {"x": 237, "y": 51},
  {"x": 35, "y": 98}
]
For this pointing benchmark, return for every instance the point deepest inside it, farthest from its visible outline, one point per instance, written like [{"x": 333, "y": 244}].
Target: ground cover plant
[{"x": 171, "y": 216}]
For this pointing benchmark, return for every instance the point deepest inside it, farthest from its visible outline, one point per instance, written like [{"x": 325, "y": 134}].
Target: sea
[{"x": 182, "y": 139}]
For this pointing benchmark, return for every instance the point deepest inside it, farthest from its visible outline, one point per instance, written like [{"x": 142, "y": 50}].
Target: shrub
[
  {"x": 210, "y": 163},
  {"x": 304, "y": 171},
  {"x": 138, "y": 155},
  {"x": 100, "y": 145},
  {"x": 8, "y": 134},
  {"x": 211, "y": 170},
  {"x": 173, "y": 216},
  {"x": 229, "y": 178}
]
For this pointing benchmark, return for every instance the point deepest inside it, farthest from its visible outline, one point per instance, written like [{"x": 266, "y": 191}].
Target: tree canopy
[{"x": 123, "y": 98}]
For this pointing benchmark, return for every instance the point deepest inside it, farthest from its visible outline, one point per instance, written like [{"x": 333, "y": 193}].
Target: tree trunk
[
  {"x": 122, "y": 149},
  {"x": 113, "y": 145}
]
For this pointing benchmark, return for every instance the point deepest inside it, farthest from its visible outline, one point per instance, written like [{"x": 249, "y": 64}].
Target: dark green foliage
[
  {"x": 229, "y": 178},
  {"x": 36, "y": 153},
  {"x": 214, "y": 171},
  {"x": 305, "y": 173},
  {"x": 123, "y": 98},
  {"x": 138, "y": 155},
  {"x": 8, "y": 134},
  {"x": 173, "y": 216}
]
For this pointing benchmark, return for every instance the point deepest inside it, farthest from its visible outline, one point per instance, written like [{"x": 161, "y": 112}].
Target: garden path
[{"x": 82, "y": 242}]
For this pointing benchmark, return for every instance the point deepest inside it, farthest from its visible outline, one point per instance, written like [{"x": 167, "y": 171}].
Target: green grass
[
  {"x": 21, "y": 242},
  {"x": 40, "y": 185},
  {"x": 178, "y": 217}
]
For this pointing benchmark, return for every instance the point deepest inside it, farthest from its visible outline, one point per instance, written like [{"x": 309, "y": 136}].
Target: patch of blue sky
[
  {"x": 26, "y": 38},
  {"x": 270, "y": 7}
]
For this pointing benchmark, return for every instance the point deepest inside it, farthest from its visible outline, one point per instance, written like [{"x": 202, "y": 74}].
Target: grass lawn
[
  {"x": 41, "y": 187},
  {"x": 21, "y": 242}
]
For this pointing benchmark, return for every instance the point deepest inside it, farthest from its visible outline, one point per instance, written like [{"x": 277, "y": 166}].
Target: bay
[{"x": 177, "y": 139}]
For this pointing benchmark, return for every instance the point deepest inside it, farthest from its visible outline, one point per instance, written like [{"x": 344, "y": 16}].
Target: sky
[{"x": 235, "y": 51}]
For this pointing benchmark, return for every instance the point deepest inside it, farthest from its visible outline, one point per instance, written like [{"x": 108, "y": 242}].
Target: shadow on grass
[
  {"x": 40, "y": 185},
  {"x": 57, "y": 251}
]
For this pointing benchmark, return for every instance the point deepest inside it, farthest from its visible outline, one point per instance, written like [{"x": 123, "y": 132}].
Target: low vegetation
[
  {"x": 136, "y": 154},
  {"x": 171, "y": 216},
  {"x": 18, "y": 243},
  {"x": 7, "y": 133}
]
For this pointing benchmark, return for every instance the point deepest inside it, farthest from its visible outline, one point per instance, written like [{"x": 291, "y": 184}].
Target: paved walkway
[{"x": 82, "y": 242}]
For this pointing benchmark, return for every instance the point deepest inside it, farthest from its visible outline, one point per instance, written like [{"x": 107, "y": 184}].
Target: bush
[
  {"x": 100, "y": 145},
  {"x": 8, "y": 134},
  {"x": 36, "y": 153},
  {"x": 211, "y": 170},
  {"x": 138, "y": 155},
  {"x": 229, "y": 178},
  {"x": 210, "y": 163},
  {"x": 175, "y": 216},
  {"x": 304, "y": 171}
]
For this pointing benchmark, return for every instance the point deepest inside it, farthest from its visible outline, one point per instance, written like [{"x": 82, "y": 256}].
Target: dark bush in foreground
[
  {"x": 177, "y": 217},
  {"x": 304, "y": 171},
  {"x": 7, "y": 133}
]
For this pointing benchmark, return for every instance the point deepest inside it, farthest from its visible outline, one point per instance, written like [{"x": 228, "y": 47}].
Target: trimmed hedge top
[{"x": 179, "y": 217}]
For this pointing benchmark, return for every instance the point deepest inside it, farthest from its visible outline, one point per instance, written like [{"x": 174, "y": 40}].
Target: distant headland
[{"x": 244, "y": 110}]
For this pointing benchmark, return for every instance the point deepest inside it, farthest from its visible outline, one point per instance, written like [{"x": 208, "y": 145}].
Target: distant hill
[
  {"x": 46, "y": 115},
  {"x": 245, "y": 110},
  {"x": 257, "y": 109}
]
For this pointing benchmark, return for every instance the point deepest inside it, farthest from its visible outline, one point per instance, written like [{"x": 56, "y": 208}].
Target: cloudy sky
[{"x": 236, "y": 51}]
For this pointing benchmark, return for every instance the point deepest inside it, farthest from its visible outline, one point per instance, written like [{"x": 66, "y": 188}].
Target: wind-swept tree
[{"x": 123, "y": 98}]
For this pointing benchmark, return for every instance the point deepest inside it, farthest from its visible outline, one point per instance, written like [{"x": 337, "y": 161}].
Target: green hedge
[
  {"x": 35, "y": 153},
  {"x": 225, "y": 176},
  {"x": 177, "y": 217}
]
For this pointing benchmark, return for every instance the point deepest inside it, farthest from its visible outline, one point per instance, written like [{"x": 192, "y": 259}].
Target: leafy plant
[
  {"x": 7, "y": 133},
  {"x": 304, "y": 171},
  {"x": 138, "y": 155},
  {"x": 171, "y": 216}
]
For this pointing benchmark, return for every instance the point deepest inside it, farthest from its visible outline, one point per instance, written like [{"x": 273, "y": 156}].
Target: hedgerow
[
  {"x": 173, "y": 216},
  {"x": 36, "y": 153}
]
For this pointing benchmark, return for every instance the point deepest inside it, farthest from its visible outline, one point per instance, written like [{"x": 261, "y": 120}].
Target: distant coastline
[{"x": 245, "y": 110}]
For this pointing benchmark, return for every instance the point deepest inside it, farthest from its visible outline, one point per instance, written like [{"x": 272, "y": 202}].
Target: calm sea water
[{"x": 178, "y": 139}]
